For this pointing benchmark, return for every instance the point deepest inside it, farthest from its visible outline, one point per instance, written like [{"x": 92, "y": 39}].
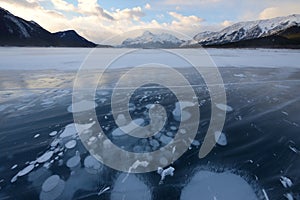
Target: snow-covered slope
[
  {"x": 246, "y": 31},
  {"x": 150, "y": 40}
]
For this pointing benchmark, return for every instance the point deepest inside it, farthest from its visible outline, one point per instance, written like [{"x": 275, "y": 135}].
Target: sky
[{"x": 104, "y": 20}]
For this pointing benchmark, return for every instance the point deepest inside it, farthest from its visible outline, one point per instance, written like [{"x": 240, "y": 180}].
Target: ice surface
[
  {"x": 92, "y": 165},
  {"x": 165, "y": 139},
  {"x": 70, "y": 130},
  {"x": 71, "y": 59},
  {"x": 121, "y": 120},
  {"x": 26, "y": 170},
  {"x": 52, "y": 188},
  {"x": 71, "y": 144},
  {"x": 225, "y": 186},
  {"x": 23, "y": 172},
  {"x": 103, "y": 190},
  {"x": 128, "y": 128},
  {"x": 45, "y": 157},
  {"x": 220, "y": 138},
  {"x": 179, "y": 114},
  {"x": 239, "y": 75},
  {"x": 82, "y": 106},
  {"x": 154, "y": 143},
  {"x": 74, "y": 161},
  {"x": 50, "y": 183},
  {"x": 225, "y": 108},
  {"x": 130, "y": 189},
  {"x": 289, "y": 196},
  {"x": 83, "y": 127}
]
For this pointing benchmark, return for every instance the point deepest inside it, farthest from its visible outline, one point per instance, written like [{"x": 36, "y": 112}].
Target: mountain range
[
  {"x": 280, "y": 32},
  {"x": 150, "y": 40},
  {"x": 15, "y": 31},
  {"x": 276, "y": 32}
]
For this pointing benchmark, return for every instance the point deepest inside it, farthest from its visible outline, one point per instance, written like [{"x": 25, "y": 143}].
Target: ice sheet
[{"x": 72, "y": 58}]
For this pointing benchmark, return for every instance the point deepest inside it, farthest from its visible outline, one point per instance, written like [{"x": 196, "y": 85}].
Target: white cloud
[
  {"x": 185, "y": 20},
  {"x": 226, "y": 23},
  {"x": 128, "y": 14},
  {"x": 63, "y": 5},
  {"x": 189, "y": 2},
  {"x": 272, "y": 12},
  {"x": 148, "y": 6}
]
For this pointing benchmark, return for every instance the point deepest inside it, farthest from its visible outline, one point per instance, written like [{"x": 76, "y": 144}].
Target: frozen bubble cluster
[
  {"x": 74, "y": 161},
  {"x": 23, "y": 172},
  {"x": 220, "y": 138},
  {"x": 64, "y": 151},
  {"x": 210, "y": 185},
  {"x": 52, "y": 188},
  {"x": 128, "y": 128},
  {"x": 129, "y": 187},
  {"x": 92, "y": 165},
  {"x": 179, "y": 113},
  {"x": 71, "y": 144}
]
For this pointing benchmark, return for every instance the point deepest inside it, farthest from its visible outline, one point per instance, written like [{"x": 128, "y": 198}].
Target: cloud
[
  {"x": 128, "y": 14},
  {"x": 272, "y": 12},
  {"x": 91, "y": 7},
  {"x": 226, "y": 23},
  {"x": 148, "y": 6},
  {"x": 184, "y": 20},
  {"x": 63, "y": 5},
  {"x": 189, "y": 3}
]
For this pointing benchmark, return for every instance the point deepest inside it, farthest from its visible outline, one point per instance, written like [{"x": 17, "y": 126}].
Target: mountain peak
[
  {"x": 147, "y": 33},
  {"x": 151, "y": 40}
]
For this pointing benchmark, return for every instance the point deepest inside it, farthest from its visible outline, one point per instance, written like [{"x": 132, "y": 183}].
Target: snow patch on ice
[
  {"x": 53, "y": 133},
  {"x": 286, "y": 182},
  {"x": 224, "y": 107},
  {"x": 165, "y": 172}
]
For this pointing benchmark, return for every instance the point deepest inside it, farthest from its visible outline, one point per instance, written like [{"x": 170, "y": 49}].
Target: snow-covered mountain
[
  {"x": 15, "y": 31},
  {"x": 246, "y": 31},
  {"x": 150, "y": 40}
]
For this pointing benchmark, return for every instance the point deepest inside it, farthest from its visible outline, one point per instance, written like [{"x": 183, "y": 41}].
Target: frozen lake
[
  {"x": 72, "y": 58},
  {"x": 256, "y": 157}
]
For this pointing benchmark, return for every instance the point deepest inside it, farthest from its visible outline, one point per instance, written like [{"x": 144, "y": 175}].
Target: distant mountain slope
[
  {"x": 15, "y": 31},
  {"x": 276, "y": 32},
  {"x": 150, "y": 40},
  {"x": 283, "y": 39},
  {"x": 71, "y": 39}
]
